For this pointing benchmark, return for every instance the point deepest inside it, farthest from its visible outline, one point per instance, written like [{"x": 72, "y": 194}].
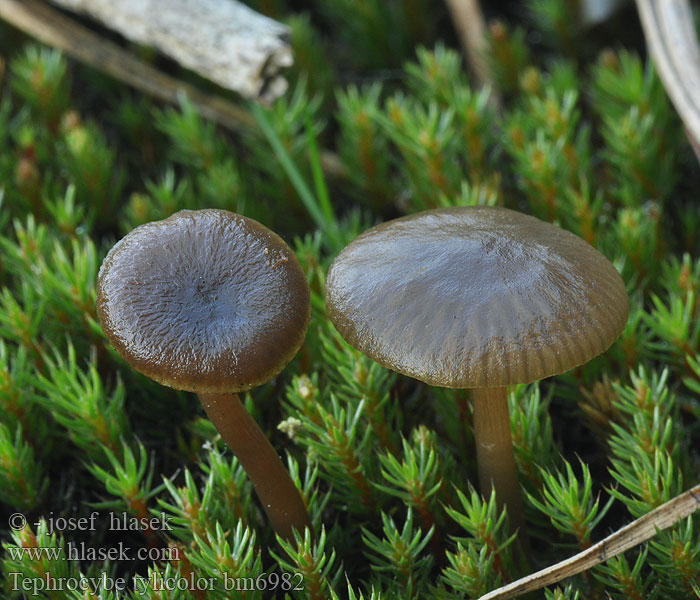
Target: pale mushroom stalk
[
  {"x": 275, "y": 489},
  {"x": 494, "y": 450},
  {"x": 477, "y": 298}
]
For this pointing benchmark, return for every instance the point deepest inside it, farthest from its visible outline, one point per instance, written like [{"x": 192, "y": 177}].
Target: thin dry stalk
[
  {"x": 469, "y": 22},
  {"x": 631, "y": 535}
]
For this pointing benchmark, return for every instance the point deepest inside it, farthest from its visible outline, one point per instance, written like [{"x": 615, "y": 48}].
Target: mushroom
[
  {"x": 480, "y": 298},
  {"x": 215, "y": 303}
]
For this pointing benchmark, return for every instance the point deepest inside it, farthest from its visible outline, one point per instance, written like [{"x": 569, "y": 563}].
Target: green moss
[{"x": 583, "y": 136}]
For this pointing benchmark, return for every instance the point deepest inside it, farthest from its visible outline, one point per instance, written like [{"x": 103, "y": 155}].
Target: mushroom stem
[
  {"x": 279, "y": 496},
  {"x": 494, "y": 451}
]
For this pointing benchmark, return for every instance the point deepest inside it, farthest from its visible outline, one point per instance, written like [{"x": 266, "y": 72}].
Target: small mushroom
[
  {"x": 481, "y": 298},
  {"x": 215, "y": 303}
]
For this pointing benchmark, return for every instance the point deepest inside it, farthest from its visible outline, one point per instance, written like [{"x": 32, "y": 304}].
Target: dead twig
[{"x": 630, "y": 535}]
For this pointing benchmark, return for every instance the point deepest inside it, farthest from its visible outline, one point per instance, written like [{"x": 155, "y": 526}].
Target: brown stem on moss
[
  {"x": 494, "y": 451},
  {"x": 279, "y": 496}
]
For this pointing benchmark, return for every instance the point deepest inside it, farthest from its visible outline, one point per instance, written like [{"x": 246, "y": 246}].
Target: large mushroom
[
  {"x": 480, "y": 298},
  {"x": 214, "y": 303}
]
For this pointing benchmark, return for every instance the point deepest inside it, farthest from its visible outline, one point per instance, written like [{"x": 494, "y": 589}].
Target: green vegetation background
[{"x": 584, "y": 137}]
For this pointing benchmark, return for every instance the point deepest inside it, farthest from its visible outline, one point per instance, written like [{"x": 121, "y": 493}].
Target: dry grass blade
[
  {"x": 670, "y": 34},
  {"x": 629, "y": 536}
]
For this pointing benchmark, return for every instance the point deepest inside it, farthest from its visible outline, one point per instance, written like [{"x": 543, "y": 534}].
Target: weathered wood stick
[{"x": 222, "y": 40}]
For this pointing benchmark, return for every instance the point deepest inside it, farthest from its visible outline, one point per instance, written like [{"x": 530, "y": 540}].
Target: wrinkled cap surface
[
  {"x": 475, "y": 297},
  {"x": 205, "y": 301}
]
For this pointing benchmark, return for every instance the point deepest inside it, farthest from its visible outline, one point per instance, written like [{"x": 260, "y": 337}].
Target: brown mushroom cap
[
  {"x": 475, "y": 297},
  {"x": 205, "y": 301}
]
